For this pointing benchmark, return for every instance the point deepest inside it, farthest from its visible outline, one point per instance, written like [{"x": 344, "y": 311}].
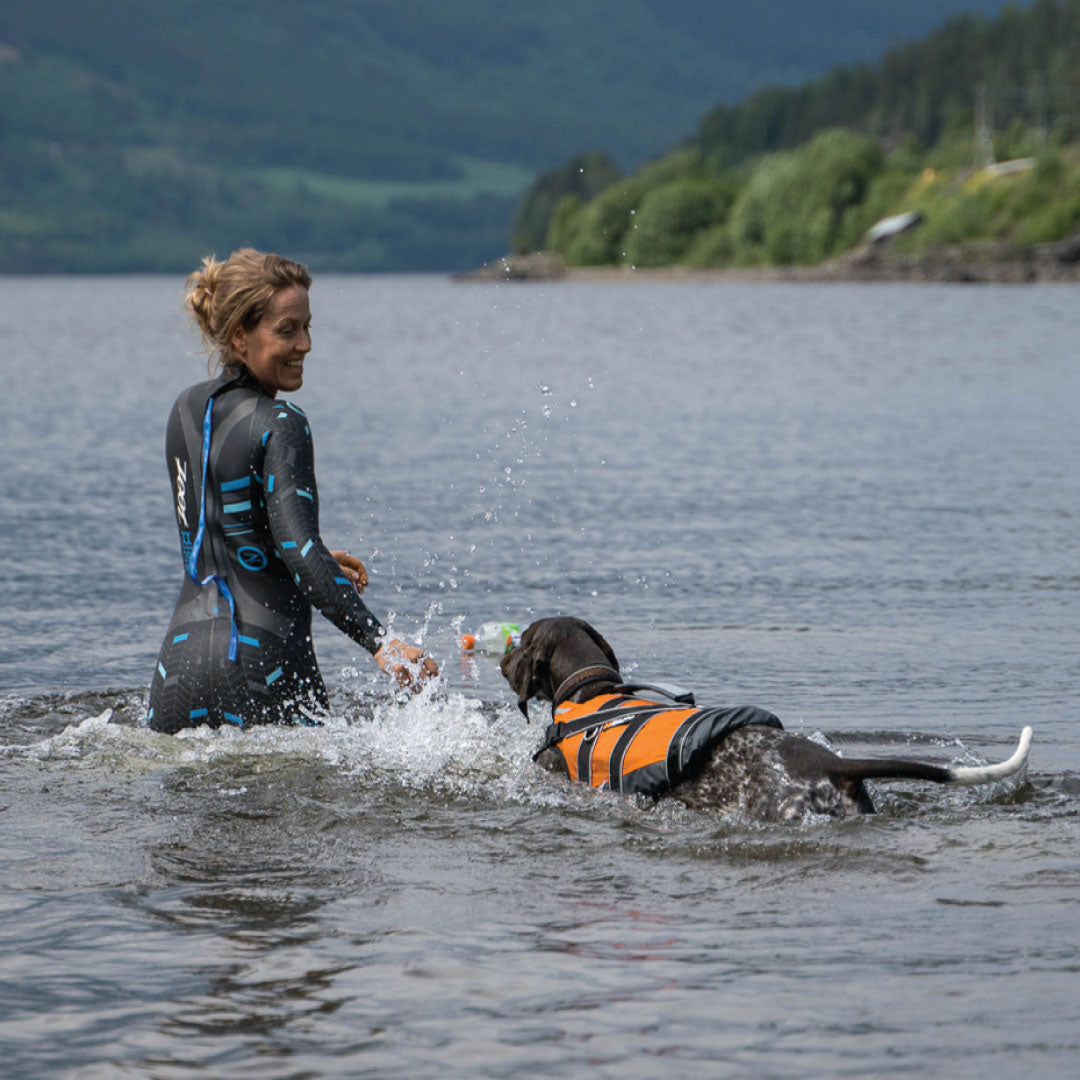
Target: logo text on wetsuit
[{"x": 181, "y": 491}]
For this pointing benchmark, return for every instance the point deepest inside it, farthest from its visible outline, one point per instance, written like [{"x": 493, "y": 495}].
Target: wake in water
[{"x": 433, "y": 744}]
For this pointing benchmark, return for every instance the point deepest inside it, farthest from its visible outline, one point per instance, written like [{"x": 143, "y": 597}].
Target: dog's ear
[
  {"x": 608, "y": 651},
  {"x": 528, "y": 672}
]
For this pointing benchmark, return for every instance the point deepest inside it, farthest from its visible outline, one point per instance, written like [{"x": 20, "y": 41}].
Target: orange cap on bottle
[{"x": 468, "y": 642}]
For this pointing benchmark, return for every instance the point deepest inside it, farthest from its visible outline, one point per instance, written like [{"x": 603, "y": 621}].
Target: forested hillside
[
  {"x": 793, "y": 176},
  {"x": 362, "y": 135}
]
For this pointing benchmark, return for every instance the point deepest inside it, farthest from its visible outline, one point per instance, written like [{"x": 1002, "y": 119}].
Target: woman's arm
[
  {"x": 332, "y": 581},
  {"x": 292, "y": 504}
]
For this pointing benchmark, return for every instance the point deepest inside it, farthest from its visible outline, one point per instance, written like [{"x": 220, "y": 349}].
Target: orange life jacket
[{"x": 641, "y": 745}]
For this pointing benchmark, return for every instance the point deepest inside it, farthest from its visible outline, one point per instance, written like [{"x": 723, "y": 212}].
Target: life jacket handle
[{"x": 673, "y": 693}]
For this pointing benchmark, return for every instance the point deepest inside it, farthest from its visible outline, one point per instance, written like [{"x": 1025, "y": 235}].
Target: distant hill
[
  {"x": 373, "y": 135},
  {"x": 970, "y": 138}
]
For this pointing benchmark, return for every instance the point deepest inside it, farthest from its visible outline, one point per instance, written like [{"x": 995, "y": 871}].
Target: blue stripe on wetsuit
[{"x": 193, "y": 560}]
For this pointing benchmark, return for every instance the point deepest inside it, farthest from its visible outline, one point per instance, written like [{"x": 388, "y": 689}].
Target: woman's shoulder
[
  {"x": 203, "y": 391},
  {"x": 194, "y": 397},
  {"x": 283, "y": 418},
  {"x": 287, "y": 412}
]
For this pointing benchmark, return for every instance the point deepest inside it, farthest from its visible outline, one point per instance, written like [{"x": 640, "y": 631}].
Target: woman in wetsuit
[{"x": 238, "y": 649}]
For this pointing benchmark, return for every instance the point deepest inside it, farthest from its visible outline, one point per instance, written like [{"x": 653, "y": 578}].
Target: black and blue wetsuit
[{"x": 238, "y": 649}]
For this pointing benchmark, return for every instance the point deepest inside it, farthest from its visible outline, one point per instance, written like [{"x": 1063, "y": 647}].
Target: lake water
[{"x": 855, "y": 505}]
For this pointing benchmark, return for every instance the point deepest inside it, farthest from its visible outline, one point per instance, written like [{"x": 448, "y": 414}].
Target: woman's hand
[
  {"x": 352, "y": 568},
  {"x": 395, "y": 658}
]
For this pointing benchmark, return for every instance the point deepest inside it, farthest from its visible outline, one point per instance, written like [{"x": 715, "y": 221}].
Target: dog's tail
[{"x": 856, "y": 769}]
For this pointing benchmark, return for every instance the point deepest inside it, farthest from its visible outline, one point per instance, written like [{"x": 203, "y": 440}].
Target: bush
[
  {"x": 756, "y": 216},
  {"x": 1054, "y": 222},
  {"x": 796, "y": 207},
  {"x": 961, "y": 216},
  {"x": 710, "y": 248},
  {"x": 670, "y": 216},
  {"x": 594, "y": 236}
]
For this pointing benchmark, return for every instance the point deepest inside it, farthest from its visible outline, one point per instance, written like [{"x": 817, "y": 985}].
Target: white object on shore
[{"x": 889, "y": 227}]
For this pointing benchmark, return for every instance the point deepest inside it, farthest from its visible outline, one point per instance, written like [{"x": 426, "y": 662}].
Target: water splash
[{"x": 435, "y": 743}]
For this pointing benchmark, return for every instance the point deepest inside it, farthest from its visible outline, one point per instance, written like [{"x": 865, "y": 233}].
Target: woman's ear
[{"x": 239, "y": 343}]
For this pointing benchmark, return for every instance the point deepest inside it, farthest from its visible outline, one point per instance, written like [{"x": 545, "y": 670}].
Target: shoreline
[{"x": 987, "y": 264}]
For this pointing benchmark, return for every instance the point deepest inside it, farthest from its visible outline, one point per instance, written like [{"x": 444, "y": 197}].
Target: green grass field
[{"x": 477, "y": 178}]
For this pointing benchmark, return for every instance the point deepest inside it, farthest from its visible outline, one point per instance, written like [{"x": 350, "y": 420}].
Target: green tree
[
  {"x": 583, "y": 176},
  {"x": 795, "y": 207},
  {"x": 595, "y": 235},
  {"x": 671, "y": 216}
]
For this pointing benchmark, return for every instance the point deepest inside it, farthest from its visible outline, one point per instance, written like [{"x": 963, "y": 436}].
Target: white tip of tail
[{"x": 987, "y": 774}]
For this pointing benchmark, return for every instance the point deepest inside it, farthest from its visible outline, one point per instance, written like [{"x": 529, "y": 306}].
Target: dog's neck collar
[{"x": 581, "y": 678}]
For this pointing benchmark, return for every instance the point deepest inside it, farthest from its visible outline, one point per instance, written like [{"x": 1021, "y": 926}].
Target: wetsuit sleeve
[{"x": 292, "y": 504}]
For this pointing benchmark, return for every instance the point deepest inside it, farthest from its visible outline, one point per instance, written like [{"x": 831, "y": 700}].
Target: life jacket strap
[{"x": 594, "y": 723}]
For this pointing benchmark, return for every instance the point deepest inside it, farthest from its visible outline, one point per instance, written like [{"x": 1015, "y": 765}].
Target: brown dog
[{"x": 642, "y": 739}]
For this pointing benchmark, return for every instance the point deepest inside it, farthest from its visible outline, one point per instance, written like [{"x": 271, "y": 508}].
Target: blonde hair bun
[{"x": 199, "y": 294}]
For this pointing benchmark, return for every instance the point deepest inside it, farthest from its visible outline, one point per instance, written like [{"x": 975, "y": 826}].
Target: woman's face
[{"x": 274, "y": 349}]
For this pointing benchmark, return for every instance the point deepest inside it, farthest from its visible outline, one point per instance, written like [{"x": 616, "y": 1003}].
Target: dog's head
[{"x": 551, "y": 650}]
